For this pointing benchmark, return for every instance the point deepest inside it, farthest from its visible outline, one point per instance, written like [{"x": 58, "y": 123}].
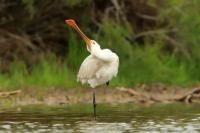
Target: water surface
[{"x": 111, "y": 119}]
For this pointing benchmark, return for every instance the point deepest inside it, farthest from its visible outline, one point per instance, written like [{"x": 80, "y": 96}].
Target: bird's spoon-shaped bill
[{"x": 73, "y": 24}]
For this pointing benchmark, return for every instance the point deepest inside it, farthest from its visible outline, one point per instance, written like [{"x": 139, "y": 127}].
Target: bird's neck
[{"x": 95, "y": 49}]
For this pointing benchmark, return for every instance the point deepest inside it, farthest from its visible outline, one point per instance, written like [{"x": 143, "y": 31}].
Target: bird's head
[
  {"x": 94, "y": 45},
  {"x": 88, "y": 42}
]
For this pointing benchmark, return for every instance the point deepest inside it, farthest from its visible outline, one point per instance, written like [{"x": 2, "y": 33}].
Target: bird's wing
[{"x": 88, "y": 68}]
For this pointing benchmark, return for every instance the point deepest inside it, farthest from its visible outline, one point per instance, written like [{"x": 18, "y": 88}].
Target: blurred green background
[{"x": 157, "y": 41}]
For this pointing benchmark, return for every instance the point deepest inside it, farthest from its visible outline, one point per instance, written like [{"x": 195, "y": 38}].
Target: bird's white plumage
[{"x": 99, "y": 67}]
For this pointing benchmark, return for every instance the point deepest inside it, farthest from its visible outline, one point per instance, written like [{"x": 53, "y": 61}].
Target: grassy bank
[{"x": 145, "y": 66}]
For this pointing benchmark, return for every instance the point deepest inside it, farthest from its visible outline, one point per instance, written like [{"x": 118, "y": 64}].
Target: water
[{"x": 111, "y": 119}]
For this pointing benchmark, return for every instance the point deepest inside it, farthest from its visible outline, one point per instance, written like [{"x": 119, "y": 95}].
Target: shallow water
[{"x": 111, "y": 119}]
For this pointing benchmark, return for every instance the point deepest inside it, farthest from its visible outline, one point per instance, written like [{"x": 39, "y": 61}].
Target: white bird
[{"x": 99, "y": 67}]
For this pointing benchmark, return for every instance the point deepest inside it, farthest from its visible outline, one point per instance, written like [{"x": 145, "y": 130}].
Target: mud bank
[{"x": 139, "y": 95}]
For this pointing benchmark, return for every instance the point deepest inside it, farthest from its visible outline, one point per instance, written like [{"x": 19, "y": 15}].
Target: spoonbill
[{"x": 99, "y": 67}]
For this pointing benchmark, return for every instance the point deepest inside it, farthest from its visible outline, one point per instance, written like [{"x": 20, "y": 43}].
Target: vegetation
[{"x": 157, "y": 41}]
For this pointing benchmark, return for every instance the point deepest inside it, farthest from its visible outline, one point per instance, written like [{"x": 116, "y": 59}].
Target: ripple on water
[
  {"x": 99, "y": 127},
  {"x": 141, "y": 121}
]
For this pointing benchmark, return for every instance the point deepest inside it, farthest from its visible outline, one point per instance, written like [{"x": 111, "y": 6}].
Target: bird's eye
[{"x": 93, "y": 43}]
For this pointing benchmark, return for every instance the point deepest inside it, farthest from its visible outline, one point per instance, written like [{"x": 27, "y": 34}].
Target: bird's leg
[{"x": 94, "y": 103}]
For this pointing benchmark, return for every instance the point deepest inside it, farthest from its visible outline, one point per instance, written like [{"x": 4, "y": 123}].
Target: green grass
[
  {"x": 147, "y": 65},
  {"x": 138, "y": 65},
  {"x": 46, "y": 74}
]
